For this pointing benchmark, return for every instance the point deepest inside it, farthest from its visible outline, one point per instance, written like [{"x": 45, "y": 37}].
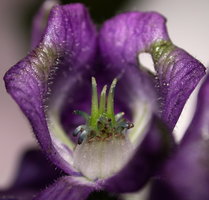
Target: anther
[
  {"x": 119, "y": 116},
  {"x": 131, "y": 125},
  {"x": 78, "y": 130},
  {"x": 82, "y": 136}
]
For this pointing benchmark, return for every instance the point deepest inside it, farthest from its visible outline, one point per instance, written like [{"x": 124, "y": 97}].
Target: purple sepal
[
  {"x": 177, "y": 75},
  {"x": 121, "y": 40},
  {"x": 40, "y": 22},
  {"x": 185, "y": 176},
  {"x": 35, "y": 172},
  {"x": 68, "y": 188},
  {"x": 69, "y": 34},
  {"x": 199, "y": 127},
  {"x": 123, "y": 37}
]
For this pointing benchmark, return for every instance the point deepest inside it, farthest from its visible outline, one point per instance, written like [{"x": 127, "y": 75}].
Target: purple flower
[{"x": 54, "y": 80}]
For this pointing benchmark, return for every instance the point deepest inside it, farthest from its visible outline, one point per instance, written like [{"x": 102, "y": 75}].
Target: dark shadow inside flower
[
  {"x": 101, "y": 10},
  {"x": 102, "y": 195}
]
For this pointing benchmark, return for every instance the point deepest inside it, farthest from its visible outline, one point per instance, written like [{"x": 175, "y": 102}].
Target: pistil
[{"x": 102, "y": 124}]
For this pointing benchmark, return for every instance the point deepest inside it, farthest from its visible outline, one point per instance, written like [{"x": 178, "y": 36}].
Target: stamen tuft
[{"x": 103, "y": 124}]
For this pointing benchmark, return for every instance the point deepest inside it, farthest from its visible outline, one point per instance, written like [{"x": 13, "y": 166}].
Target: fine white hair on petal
[{"x": 102, "y": 159}]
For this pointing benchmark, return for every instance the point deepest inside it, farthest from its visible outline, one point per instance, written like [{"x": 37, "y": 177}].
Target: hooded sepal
[
  {"x": 68, "y": 42},
  {"x": 125, "y": 36}
]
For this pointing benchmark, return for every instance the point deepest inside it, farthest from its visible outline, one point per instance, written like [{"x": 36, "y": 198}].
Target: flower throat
[{"x": 102, "y": 124}]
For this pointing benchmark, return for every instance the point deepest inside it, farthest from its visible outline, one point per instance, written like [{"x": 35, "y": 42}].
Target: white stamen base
[{"x": 101, "y": 159}]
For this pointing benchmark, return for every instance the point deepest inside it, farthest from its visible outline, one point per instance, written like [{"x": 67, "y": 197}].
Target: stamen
[
  {"x": 119, "y": 116},
  {"x": 103, "y": 124},
  {"x": 78, "y": 130},
  {"x": 82, "y": 136}
]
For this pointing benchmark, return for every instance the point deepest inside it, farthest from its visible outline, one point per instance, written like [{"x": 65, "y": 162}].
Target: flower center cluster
[
  {"x": 103, "y": 145},
  {"x": 103, "y": 124}
]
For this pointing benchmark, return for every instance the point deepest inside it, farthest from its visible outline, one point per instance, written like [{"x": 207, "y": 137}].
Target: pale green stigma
[{"x": 102, "y": 124}]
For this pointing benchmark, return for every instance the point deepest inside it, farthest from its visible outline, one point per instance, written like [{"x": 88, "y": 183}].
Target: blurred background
[{"x": 188, "y": 27}]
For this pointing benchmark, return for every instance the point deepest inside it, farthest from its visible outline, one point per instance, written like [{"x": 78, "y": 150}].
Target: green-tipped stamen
[{"x": 103, "y": 123}]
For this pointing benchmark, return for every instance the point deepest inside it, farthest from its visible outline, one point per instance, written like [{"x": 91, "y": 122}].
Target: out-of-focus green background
[{"x": 188, "y": 26}]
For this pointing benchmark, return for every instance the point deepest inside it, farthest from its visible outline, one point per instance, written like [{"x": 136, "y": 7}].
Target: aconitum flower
[{"x": 103, "y": 135}]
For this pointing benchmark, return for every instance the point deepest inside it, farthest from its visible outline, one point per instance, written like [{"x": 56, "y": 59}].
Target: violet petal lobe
[
  {"x": 68, "y": 188},
  {"x": 40, "y": 21},
  {"x": 69, "y": 41},
  {"x": 148, "y": 157},
  {"x": 34, "y": 173},
  {"x": 177, "y": 73},
  {"x": 185, "y": 175},
  {"x": 199, "y": 127},
  {"x": 126, "y": 35}
]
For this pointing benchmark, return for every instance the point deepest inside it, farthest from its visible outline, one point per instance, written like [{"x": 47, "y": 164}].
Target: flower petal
[
  {"x": 177, "y": 73},
  {"x": 40, "y": 21},
  {"x": 69, "y": 42},
  {"x": 34, "y": 173},
  {"x": 186, "y": 174},
  {"x": 199, "y": 127},
  {"x": 126, "y": 35},
  {"x": 68, "y": 188},
  {"x": 146, "y": 160}
]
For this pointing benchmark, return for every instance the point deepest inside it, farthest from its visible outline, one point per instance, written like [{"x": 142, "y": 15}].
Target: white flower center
[{"x": 101, "y": 159}]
